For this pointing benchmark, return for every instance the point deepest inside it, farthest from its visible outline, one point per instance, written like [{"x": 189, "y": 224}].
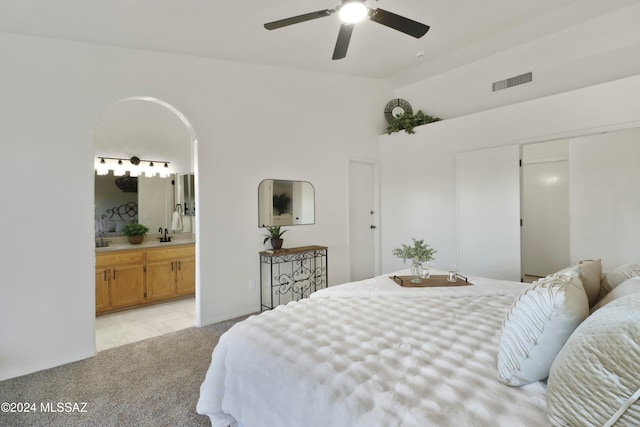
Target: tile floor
[{"x": 124, "y": 327}]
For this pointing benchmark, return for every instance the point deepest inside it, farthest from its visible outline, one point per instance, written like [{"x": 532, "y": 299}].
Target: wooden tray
[{"x": 434, "y": 281}]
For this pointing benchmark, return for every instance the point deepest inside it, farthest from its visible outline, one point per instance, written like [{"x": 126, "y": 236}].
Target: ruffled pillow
[{"x": 538, "y": 324}]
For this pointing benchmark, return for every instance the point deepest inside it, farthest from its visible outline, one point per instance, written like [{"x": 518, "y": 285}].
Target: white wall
[
  {"x": 602, "y": 49},
  {"x": 605, "y": 197},
  {"x": 418, "y": 171},
  {"x": 252, "y": 122}
]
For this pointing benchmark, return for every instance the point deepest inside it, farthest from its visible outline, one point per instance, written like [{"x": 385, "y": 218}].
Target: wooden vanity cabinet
[
  {"x": 186, "y": 275},
  {"x": 119, "y": 280},
  {"x": 102, "y": 290},
  {"x": 170, "y": 272},
  {"x": 137, "y": 277}
]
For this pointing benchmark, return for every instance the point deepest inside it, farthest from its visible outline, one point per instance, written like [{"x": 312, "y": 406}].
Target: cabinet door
[
  {"x": 127, "y": 285},
  {"x": 186, "y": 276},
  {"x": 161, "y": 280},
  {"x": 102, "y": 289}
]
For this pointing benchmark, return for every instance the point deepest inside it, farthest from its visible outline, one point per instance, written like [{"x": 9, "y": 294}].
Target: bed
[{"x": 373, "y": 353}]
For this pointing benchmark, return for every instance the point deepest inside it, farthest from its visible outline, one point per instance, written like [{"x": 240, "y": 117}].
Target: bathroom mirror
[
  {"x": 283, "y": 202},
  {"x": 121, "y": 200}
]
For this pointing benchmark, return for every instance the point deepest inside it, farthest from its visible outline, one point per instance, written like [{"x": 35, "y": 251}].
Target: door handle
[{"x": 373, "y": 226}]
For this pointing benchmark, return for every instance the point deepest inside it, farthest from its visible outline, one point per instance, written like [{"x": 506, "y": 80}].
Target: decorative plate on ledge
[{"x": 396, "y": 107}]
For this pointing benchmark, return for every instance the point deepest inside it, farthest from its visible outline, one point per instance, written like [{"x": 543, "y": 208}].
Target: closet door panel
[{"x": 488, "y": 186}]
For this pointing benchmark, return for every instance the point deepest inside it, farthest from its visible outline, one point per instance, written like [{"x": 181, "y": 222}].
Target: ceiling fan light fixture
[{"x": 352, "y": 12}]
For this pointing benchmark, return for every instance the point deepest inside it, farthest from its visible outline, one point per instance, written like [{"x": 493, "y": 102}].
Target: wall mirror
[
  {"x": 188, "y": 194},
  {"x": 124, "y": 199},
  {"x": 283, "y": 202}
]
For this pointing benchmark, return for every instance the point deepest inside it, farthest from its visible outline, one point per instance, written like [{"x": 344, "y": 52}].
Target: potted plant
[
  {"x": 407, "y": 121},
  {"x": 275, "y": 236},
  {"x": 135, "y": 232},
  {"x": 418, "y": 253}
]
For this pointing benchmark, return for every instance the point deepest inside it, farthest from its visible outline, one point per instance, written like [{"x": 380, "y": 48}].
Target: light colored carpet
[{"x": 155, "y": 382}]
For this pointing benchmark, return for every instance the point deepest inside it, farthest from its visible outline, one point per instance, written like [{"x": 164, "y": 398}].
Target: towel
[{"x": 176, "y": 221}]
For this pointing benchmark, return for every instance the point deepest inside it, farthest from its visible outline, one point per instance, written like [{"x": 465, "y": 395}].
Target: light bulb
[
  {"x": 101, "y": 167},
  {"x": 352, "y": 12}
]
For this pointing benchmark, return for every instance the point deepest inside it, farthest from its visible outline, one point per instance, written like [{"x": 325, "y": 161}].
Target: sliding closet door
[{"x": 489, "y": 212}]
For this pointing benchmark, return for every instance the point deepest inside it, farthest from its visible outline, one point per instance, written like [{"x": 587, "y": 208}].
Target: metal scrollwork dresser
[{"x": 291, "y": 274}]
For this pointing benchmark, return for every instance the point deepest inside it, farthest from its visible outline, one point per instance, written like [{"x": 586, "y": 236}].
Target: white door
[
  {"x": 363, "y": 220},
  {"x": 545, "y": 217},
  {"x": 489, "y": 212}
]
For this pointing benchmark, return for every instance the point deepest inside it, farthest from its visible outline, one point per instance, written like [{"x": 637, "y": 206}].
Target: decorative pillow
[
  {"x": 619, "y": 275},
  {"x": 574, "y": 270},
  {"x": 595, "y": 379},
  {"x": 590, "y": 272},
  {"x": 591, "y": 276},
  {"x": 540, "y": 321},
  {"x": 629, "y": 286}
]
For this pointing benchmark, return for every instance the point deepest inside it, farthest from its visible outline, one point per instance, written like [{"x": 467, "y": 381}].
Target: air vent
[{"x": 513, "y": 81}]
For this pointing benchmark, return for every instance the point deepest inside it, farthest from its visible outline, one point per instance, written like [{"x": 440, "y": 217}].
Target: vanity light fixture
[
  {"x": 101, "y": 168},
  {"x": 137, "y": 167},
  {"x": 119, "y": 169},
  {"x": 165, "y": 173}
]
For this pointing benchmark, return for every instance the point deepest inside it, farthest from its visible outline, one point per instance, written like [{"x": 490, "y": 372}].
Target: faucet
[
  {"x": 102, "y": 243},
  {"x": 164, "y": 238}
]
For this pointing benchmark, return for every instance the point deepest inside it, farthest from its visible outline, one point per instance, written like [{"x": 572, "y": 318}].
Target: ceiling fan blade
[
  {"x": 397, "y": 22},
  {"x": 342, "y": 44},
  {"x": 298, "y": 19}
]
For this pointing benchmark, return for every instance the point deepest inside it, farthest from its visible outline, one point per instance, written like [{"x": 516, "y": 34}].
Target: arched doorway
[{"x": 151, "y": 131}]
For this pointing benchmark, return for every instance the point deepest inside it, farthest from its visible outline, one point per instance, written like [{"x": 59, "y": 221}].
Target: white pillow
[
  {"x": 597, "y": 372},
  {"x": 590, "y": 272},
  {"x": 629, "y": 286},
  {"x": 591, "y": 276},
  {"x": 540, "y": 321},
  {"x": 619, "y": 275}
]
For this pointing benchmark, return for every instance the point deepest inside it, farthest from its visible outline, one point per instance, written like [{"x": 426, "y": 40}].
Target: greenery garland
[{"x": 407, "y": 121}]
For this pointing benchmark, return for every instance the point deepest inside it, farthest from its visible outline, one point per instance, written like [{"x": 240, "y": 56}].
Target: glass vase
[{"x": 416, "y": 269}]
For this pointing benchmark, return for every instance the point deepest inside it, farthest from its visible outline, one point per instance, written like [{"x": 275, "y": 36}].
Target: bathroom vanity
[{"x": 136, "y": 275}]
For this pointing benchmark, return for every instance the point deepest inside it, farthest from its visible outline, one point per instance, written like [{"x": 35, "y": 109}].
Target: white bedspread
[
  {"x": 382, "y": 360},
  {"x": 383, "y": 286}
]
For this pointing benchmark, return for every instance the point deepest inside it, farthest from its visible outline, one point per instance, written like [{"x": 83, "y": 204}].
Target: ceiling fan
[{"x": 351, "y": 12}]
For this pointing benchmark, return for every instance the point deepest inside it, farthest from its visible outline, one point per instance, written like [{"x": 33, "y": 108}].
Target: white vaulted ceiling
[{"x": 461, "y": 31}]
